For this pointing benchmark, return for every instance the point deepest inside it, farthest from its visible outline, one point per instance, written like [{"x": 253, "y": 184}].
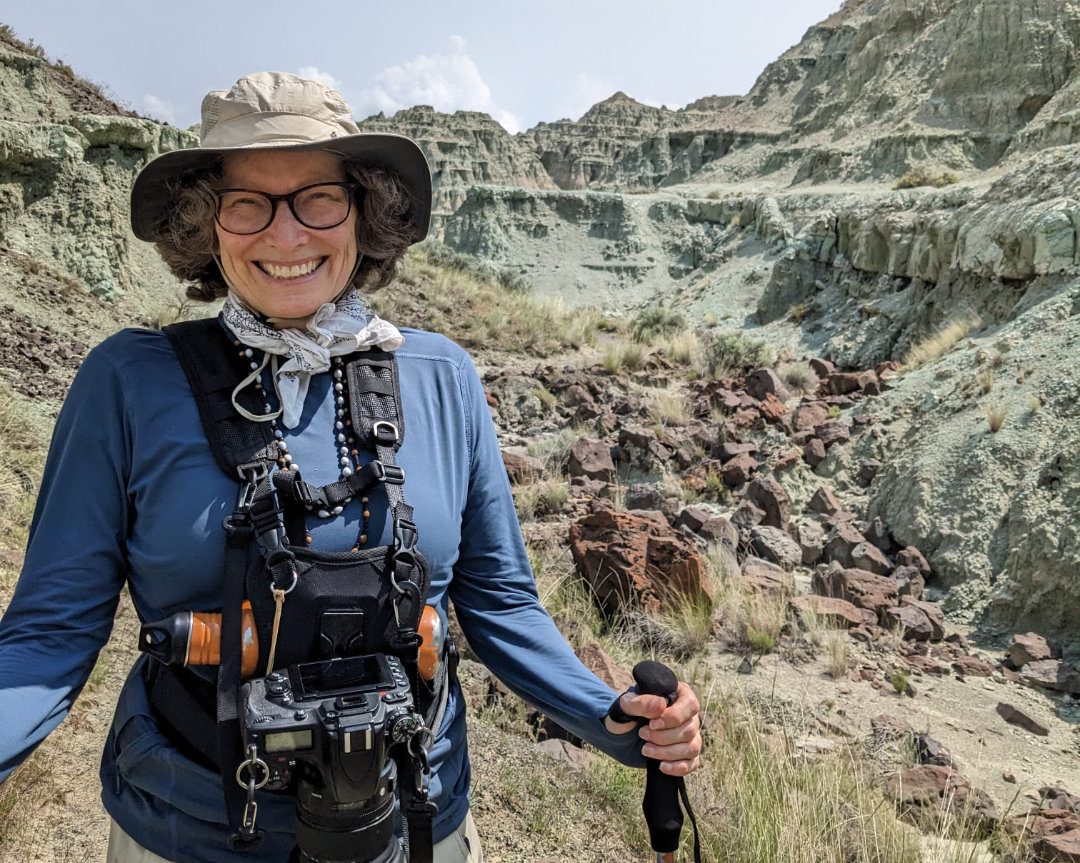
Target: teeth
[{"x": 292, "y": 272}]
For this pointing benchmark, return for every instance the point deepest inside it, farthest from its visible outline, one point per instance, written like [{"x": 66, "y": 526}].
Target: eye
[
  {"x": 320, "y": 194},
  {"x": 241, "y": 199}
]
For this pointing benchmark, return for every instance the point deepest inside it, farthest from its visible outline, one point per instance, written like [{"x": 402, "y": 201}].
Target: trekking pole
[{"x": 663, "y": 815}]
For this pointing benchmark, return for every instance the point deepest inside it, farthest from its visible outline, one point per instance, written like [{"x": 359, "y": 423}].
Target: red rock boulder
[{"x": 631, "y": 561}]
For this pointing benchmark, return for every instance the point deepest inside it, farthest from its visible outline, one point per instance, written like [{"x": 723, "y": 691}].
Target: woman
[{"x": 287, "y": 210}]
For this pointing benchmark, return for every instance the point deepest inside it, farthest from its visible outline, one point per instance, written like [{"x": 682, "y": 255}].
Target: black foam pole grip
[{"x": 663, "y": 815}]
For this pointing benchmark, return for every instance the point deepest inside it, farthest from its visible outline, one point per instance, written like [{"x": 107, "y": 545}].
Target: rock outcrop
[
  {"x": 464, "y": 149},
  {"x": 67, "y": 158}
]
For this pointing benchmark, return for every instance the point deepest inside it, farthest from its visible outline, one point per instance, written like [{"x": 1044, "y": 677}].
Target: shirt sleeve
[
  {"x": 62, "y": 609},
  {"x": 494, "y": 595}
]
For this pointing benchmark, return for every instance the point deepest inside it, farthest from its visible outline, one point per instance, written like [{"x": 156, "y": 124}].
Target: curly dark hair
[{"x": 188, "y": 241}]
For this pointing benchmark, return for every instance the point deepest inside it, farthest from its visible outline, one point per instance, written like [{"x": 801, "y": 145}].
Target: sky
[{"x": 522, "y": 63}]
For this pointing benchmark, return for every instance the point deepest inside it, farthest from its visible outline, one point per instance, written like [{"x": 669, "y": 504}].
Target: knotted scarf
[{"x": 334, "y": 330}]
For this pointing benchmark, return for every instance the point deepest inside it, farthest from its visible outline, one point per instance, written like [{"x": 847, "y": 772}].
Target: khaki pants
[{"x": 461, "y": 846}]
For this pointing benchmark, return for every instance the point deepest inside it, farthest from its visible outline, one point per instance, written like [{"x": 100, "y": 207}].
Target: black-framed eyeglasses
[{"x": 319, "y": 206}]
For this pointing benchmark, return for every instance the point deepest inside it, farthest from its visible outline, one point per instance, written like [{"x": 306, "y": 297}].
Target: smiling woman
[
  {"x": 190, "y": 240},
  {"x": 175, "y": 470},
  {"x": 285, "y": 270}
]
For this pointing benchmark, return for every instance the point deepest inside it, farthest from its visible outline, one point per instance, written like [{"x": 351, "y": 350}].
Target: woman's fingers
[
  {"x": 680, "y": 768},
  {"x": 666, "y": 737}
]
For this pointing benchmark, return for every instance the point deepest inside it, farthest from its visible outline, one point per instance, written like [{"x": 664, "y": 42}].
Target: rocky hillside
[
  {"x": 464, "y": 149},
  {"x": 67, "y": 157}
]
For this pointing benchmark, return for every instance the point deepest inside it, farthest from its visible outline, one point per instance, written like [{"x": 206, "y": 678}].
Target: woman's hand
[{"x": 673, "y": 735}]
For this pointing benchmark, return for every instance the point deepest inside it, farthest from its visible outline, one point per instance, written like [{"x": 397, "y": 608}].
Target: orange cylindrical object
[
  {"x": 204, "y": 640},
  {"x": 430, "y": 630}
]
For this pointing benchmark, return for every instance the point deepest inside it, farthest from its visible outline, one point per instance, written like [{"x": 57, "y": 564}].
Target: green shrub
[
  {"x": 651, "y": 323},
  {"x": 921, "y": 175},
  {"x": 547, "y": 398},
  {"x": 730, "y": 353}
]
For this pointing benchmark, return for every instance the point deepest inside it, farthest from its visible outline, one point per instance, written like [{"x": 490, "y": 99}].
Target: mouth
[{"x": 291, "y": 272}]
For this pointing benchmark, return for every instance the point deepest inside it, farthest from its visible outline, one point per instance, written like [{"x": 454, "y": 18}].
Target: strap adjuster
[{"x": 387, "y": 473}]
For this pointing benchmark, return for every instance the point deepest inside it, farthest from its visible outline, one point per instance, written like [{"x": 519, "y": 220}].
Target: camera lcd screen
[
  {"x": 288, "y": 741},
  {"x": 341, "y": 676}
]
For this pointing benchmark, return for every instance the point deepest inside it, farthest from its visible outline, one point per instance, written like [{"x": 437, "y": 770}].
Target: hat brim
[{"x": 152, "y": 200}]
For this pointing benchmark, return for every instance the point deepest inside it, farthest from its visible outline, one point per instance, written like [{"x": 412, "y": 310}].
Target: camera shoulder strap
[{"x": 213, "y": 364}]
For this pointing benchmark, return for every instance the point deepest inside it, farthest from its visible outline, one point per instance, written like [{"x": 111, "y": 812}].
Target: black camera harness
[{"x": 271, "y": 502}]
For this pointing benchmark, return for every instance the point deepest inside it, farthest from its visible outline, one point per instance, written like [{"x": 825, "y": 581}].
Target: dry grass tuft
[
  {"x": 752, "y": 620},
  {"x": 24, "y": 439},
  {"x": 624, "y": 356},
  {"x": 941, "y": 342},
  {"x": 669, "y": 408},
  {"x": 683, "y": 348},
  {"x": 799, "y": 376},
  {"x": 543, "y": 496},
  {"x": 995, "y": 416}
]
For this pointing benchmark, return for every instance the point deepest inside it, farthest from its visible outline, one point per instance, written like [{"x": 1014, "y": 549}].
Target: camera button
[{"x": 300, "y": 714}]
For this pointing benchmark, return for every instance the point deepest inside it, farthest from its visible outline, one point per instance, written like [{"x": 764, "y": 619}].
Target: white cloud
[
  {"x": 159, "y": 109},
  {"x": 448, "y": 81},
  {"x": 317, "y": 74}
]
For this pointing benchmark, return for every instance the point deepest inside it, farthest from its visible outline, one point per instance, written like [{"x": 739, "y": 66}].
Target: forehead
[{"x": 281, "y": 171}]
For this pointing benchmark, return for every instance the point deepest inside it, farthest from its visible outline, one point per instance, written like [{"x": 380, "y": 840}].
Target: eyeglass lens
[{"x": 241, "y": 211}]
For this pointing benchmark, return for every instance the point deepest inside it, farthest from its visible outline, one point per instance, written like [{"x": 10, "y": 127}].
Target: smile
[{"x": 286, "y": 272}]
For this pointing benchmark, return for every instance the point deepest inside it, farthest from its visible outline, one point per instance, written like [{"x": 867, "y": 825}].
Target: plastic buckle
[
  {"x": 388, "y": 473},
  {"x": 404, "y": 537},
  {"x": 385, "y": 433}
]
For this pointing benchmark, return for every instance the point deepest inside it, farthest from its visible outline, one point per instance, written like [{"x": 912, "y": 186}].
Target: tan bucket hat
[{"x": 280, "y": 111}]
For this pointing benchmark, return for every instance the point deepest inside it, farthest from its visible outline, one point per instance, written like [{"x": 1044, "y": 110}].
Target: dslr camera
[{"x": 331, "y": 726}]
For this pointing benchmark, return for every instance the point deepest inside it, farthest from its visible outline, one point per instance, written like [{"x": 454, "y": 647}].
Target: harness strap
[
  {"x": 212, "y": 366},
  {"x": 238, "y": 534},
  {"x": 295, "y": 490}
]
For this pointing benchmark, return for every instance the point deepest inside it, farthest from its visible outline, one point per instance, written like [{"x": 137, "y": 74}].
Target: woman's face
[{"x": 259, "y": 266}]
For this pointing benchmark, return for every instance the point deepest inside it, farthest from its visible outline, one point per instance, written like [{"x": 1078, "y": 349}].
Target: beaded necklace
[{"x": 344, "y": 441}]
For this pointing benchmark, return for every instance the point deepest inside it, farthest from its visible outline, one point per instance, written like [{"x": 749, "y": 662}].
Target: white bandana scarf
[{"x": 334, "y": 330}]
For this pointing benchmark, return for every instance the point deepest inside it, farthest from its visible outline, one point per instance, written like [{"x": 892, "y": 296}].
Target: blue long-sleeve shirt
[{"x": 132, "y": 494}]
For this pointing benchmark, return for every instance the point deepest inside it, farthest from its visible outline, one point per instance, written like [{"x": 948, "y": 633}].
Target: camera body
[{"x": 331, "y": 725}]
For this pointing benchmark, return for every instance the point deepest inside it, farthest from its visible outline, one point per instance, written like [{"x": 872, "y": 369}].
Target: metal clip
[
  {"x": 251, "y": 812},
  {"x": 252, "y": 763},
  {"x": 385, "y": 433},
  {"x": 251, "y": 475}
]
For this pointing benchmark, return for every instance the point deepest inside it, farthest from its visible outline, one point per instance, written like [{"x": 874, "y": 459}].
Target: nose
[{"x": 284, "y": 230}]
